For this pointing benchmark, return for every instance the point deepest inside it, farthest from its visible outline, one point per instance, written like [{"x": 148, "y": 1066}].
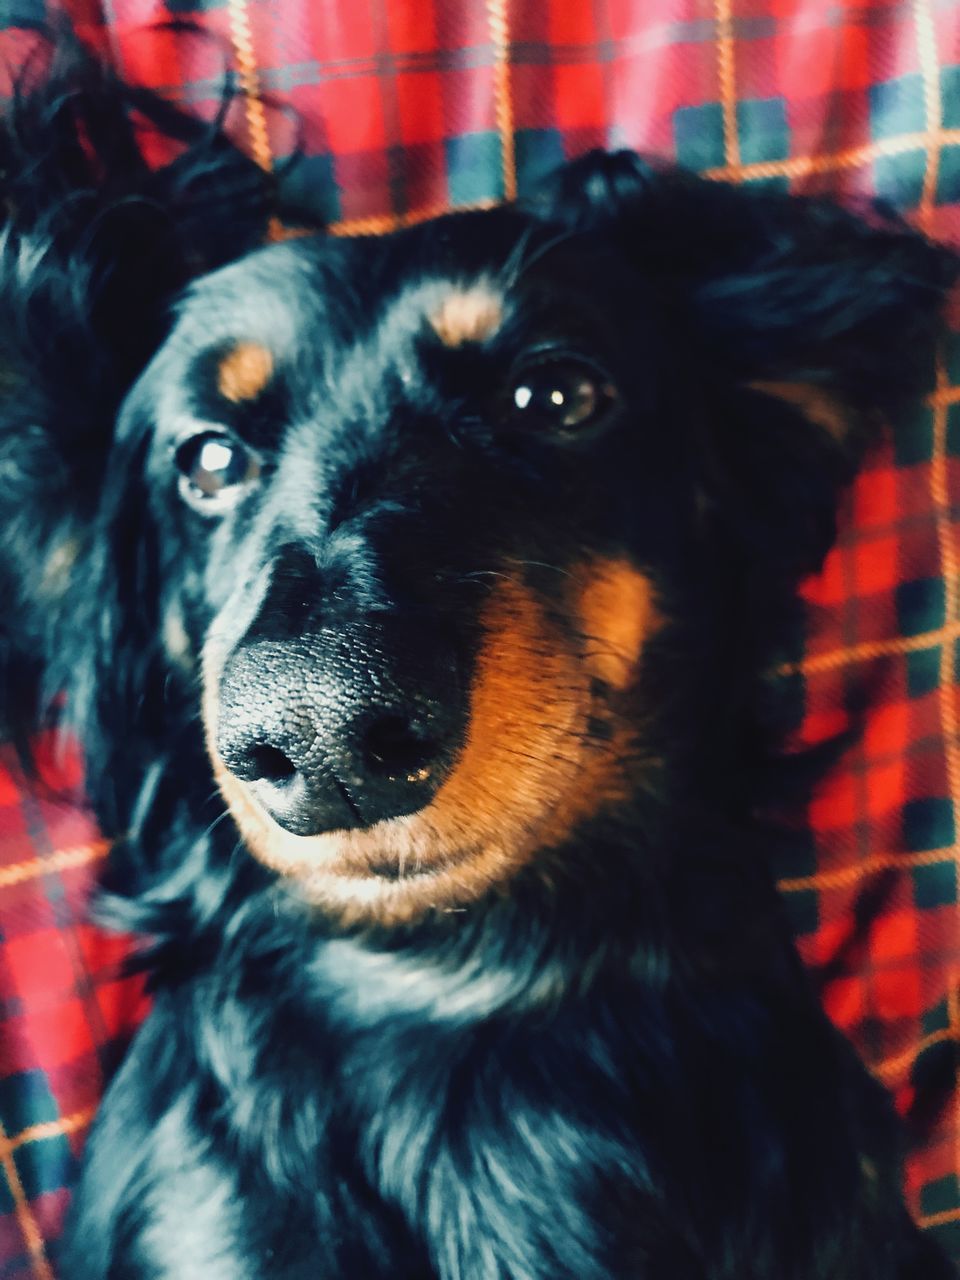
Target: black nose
[{"x": 343, "y": 727}]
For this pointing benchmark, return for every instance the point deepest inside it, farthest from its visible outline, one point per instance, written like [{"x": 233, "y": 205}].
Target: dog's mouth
[{"x": 550, "y": 742}]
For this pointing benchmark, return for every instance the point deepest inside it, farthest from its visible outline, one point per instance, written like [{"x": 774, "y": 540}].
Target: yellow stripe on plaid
[
  {"x": 892, "y": 1068},
  {"x": 52, "y": 1128},
  {"x": 24, "y": 1214},
  {"x": 834, "y": 659},
  {"x": 831, "y": 162},
  {"x": 498, "y": 19},
  {"x": 49, "y": 864},
  {"x": 242, "y": 40},
  {"x": 940, "y": 1219},
  {"x": 727, "y": 76},
  {"x": 381, "y": 226},
  {"x": 844, "y": 876},
  {"x": 946, "y": 537}
]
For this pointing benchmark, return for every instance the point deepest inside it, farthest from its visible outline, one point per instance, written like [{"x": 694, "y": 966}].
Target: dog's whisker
[
  {"x": 514, "y": 261},
  {"x": 541, "y": 252}
]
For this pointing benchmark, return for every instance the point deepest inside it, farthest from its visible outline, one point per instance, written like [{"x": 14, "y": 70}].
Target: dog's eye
[
  {"x": 215, "y": 471},
  {"x": 559, "y": 395}
]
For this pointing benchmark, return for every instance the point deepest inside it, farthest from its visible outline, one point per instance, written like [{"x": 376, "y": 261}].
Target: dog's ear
[
  {"x": 95, "y": 242},
  {"x": 799, "y": 323}
]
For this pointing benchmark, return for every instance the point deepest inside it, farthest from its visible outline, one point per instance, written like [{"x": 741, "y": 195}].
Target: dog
[{"x": 409, "y": 597}]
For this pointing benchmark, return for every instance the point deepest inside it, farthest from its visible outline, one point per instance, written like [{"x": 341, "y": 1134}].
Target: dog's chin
[{"x": 394, "y": 872}]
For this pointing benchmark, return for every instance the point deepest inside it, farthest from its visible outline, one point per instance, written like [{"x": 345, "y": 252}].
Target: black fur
[{"x": 607, "y": 1062}]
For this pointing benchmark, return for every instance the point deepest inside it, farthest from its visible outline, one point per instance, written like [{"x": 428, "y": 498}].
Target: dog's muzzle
[{"x": 343, "y": 727}]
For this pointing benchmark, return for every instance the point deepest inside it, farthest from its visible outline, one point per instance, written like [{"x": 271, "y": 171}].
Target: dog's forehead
[
  {"x": 455, "y": 273},
  {"x": 335, "y": 329}
]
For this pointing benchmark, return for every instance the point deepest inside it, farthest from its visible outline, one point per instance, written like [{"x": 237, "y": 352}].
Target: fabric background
[{"x": 404, "y": 108}]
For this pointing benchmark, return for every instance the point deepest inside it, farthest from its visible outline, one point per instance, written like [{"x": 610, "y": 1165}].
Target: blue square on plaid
[
  {"x": 897, "y": 106},
  {"x": 923, "y": 671},
  {"x": 950, "y": 96},
  {"x": 474, "y": 168},
  {"x": 45, "y": 1165},
  {"x": 935, "y": 1018},
  {"x": 927, "y": 825},
  {"x": 952, "y": 355},
  {"x": 775, "y": 183},
  {"x": 899, "y": 179},
  {"x": 308, "y": 183},
  {"x": 25, "y": 1100},
  {"x": 193, "y": 6},
  {"x": 23, "y": 13},
  {"x": 538, "y": 152},
  {"x": 762, "y": 130},
  {"x": 953, "y": 430},
  {"x": 698, "y": 135},
  {"x": 921, "y": 606},
  {"x": 934, "y": 886},
  {"x": 803, "y": 911},
  {"x": 913, "y": 440},
  {"x": 948, "y": 176},
  {"x": 938, "y": 1196}
]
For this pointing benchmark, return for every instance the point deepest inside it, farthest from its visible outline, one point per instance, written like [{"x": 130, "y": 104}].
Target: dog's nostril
[
  {"x": 267, "y": 764},
  {"x": 345, "y": 727},
  {"x": 395, "y": 747}
]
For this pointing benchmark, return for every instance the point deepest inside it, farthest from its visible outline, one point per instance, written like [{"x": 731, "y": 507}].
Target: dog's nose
[{"x": 343, "y": 727}]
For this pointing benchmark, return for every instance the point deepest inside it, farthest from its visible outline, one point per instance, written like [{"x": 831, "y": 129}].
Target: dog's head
[
  {"x": 442, "y": 549},
  {"x": 429, "y": 518}
]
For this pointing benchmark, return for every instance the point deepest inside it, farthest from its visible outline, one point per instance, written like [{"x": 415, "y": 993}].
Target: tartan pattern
[
  {"x": 409, "y": 107},
  {"x": 65, "y": 1010},
  {"x": 869, "y": 873}
]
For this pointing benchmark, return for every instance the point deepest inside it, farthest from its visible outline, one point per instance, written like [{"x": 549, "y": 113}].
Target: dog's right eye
[
  {"x": 216, "y": 471},
  {"x": 558, "y": 395}
]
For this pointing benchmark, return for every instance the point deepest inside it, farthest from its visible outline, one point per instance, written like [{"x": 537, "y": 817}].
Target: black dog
[{"x": 410, "y": 616}]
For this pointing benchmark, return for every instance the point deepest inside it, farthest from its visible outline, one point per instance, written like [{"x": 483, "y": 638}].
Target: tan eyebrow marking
[
  {"x": 467, "y": 315},
  {"x": 244, "y": 371},
  {"x": 818, "y": 405}
]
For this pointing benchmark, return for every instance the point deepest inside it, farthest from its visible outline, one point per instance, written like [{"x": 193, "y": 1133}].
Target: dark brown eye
[
  {"x": 559, "y": 395},
  {"x": 215, "y": 471}
]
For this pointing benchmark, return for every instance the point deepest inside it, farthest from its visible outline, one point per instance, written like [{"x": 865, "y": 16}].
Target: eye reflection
[{"x": 559, "y": 395}]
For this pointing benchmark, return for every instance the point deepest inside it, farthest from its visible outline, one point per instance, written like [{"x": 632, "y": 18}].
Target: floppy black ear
[
  {"x": 94, "y": 243},
  {"x": 801, "y": 323}
]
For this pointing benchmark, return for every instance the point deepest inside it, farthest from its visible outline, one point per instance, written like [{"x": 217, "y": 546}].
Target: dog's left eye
[
  {"x": 215, "y": 471},
  {"x": 561, "y": 395}
]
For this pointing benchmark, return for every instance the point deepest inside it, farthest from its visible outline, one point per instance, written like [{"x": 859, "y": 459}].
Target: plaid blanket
[{"x": 404, "y": 108}]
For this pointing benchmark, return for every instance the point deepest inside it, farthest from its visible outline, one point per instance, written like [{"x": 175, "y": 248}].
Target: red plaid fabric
[
  {"x": 870, "y": 876},
  {"x": 404, "y": 108},
  {"x": 65, "y": 1011}
]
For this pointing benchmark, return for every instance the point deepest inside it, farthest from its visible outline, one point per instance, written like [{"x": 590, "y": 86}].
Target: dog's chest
[{"x": 487, "y": 1114}]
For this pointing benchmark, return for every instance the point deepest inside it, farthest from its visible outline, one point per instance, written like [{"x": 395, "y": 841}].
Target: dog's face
[
  {"x": 426, "y": 506},
  {"x": 406, "y": 548}
]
